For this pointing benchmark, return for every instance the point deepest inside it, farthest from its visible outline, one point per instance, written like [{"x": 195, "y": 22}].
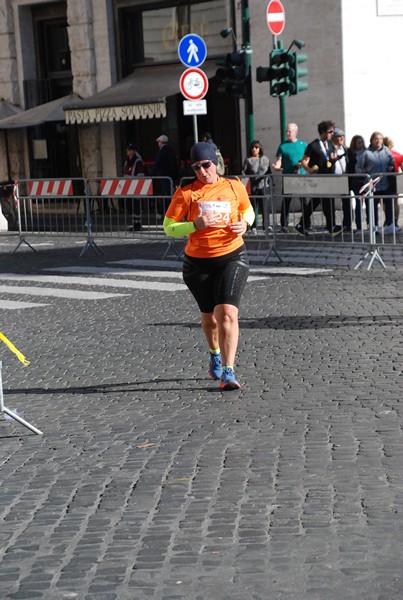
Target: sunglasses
[
  {"x": 330, "y": 131},
  {"x": 205, "y": 165}
]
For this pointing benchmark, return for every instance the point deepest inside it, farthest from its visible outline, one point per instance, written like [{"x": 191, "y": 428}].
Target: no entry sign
[{"x": 275, "y": 16}]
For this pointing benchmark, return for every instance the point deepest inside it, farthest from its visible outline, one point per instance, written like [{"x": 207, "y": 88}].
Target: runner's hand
[{"x": 239, "y": 227}]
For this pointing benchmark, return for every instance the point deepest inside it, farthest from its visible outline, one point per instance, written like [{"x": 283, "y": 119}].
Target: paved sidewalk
[{"x": 150, "y": 483}]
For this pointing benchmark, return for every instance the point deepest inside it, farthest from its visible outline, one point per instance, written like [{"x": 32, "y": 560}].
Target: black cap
[{"x": 203, "y": 151}]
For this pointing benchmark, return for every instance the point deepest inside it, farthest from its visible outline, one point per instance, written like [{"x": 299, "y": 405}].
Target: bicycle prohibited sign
[{"x": 193, "y": 84}]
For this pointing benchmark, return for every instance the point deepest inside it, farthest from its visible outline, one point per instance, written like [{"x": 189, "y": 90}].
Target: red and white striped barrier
[
  {"x": 246, "y": 182},
  {"x": 41, "y": 187},
  {"x": 126, "y": 187}
]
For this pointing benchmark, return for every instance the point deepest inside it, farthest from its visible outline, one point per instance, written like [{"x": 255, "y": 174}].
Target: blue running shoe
[
  {"x": 228, "y": 380},
  {"x": 215, "y": 366}
]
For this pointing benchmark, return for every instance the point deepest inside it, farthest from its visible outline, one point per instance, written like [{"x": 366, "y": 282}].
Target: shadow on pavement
[{"x": 302, "y": 322}]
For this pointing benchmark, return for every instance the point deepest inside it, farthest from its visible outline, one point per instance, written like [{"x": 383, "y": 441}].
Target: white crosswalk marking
[
  {"x": 134, "y": 273},
  {"x": 137, "y": 275},
  {"x": 111, "y": 271},
  {"x": 56, "y": 293},
  {"x": 263, "y": 269},
  {"x": 13, "y": 305},
  {"x": 96, "y": 281}
]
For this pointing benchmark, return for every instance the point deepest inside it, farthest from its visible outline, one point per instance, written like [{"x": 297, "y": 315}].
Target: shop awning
[
  {"x": 44, "y": 113},
  {"x": 7, "y": 109},
  {"x": 140, "y": 95}
]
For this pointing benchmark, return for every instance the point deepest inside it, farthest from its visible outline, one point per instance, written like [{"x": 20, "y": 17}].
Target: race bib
[{"x": 220, "y": 212}]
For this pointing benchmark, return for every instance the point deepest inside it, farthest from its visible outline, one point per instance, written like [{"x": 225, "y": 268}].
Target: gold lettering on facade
[{"x": 174, "y": 32}]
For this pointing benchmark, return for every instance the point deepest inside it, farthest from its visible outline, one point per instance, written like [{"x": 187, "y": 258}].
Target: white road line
[
  {"x": 111, "y": 271},
  {"x": 256, "y": 273},
  {"x": 253, "y": 268},
  {"x": 56, "y": 293},
  {"x": 15, "y": 305},
  {"x": 288, "y": 270},
  {"x": 96, "y": 281},
  {"x": 143, "y": 262}
]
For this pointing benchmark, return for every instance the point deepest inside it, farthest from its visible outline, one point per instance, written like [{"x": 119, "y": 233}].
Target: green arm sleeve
[
  {"x": 175, "y": 229},
  {"x": 248, "y": 215}
]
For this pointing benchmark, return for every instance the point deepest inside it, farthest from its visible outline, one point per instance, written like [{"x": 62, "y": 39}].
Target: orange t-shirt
[{"x": 226, "y": 199}]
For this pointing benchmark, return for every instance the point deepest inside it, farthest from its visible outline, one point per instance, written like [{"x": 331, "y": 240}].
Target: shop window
[
  {"x": 53, "y": 57},
  {"x": 151, "y": 36}
]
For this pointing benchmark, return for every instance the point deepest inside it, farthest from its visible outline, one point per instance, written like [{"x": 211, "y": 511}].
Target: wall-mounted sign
[{"x": 389, "y": 8}]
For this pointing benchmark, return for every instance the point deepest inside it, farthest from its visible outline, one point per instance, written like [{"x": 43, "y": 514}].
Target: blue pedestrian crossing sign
[{"x": 192, "y": 50}]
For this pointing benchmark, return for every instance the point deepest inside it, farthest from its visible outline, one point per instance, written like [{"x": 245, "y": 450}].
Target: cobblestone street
[{"x": 150, "y": 483}]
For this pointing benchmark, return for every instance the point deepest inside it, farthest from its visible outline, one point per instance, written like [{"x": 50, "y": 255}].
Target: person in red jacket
[
  {"x": 398, "y": 160},
  {"x": 214, "y": 212}
]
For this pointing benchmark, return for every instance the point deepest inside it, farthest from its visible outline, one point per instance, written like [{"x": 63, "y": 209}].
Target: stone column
[{"x": 88, "y": 30}]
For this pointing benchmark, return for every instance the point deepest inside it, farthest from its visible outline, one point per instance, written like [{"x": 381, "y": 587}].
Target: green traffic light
[
  {"x": 299, "y": 72},
  {"x": 284, "y": 73}
]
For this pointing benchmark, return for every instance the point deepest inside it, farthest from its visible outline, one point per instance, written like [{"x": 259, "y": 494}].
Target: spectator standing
[
  {"x": 206, "y": 137},
  {"x": 319, "y": 158},
  {"x": 341, "y": 165},
  {"x": 133, "y": 167},
  {"x": 377, "y": 159},
  {"x": 288, "y": 160},
  {"x": 356, "y": 148},
  {"x": 214, "y": 212},
  {"x": 398, "y": 160},
  {"x": 258, "y": 164},
  {"x": 166, "y": 165}
]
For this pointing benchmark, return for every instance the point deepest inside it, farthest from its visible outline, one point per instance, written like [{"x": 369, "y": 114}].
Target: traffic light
[
  {"x": 298, "y": 72},
  {"x": 233, "y": 73},
  {"x": 280, "y": 73}
]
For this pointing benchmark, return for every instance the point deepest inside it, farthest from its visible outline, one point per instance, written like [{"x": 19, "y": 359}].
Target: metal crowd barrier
[
  {"x": 107, "y": 207},
  {"x": 49, "y": 207},
  {"x": 344, "y": 191},
  {"x": 364, "y": 209},
  {"x": 115, "y": 207}
]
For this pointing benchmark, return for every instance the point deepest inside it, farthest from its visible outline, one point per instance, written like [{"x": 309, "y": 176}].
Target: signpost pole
[
  {"x": 275, "y": 15},
  {"x": 249, "y": 117},
  {"x": 195, "y": 132}
]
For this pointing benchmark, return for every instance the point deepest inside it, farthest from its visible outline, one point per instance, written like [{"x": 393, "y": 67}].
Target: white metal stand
[
  {"x": 90, "y": 243},
  {"x": 22, "y": 239},
  {"x": 10, "y": 413},
  {"x": 373, "y": 251}
]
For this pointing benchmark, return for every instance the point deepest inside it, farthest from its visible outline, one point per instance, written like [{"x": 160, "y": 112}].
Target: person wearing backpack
[{"x": 206, "y": 137}]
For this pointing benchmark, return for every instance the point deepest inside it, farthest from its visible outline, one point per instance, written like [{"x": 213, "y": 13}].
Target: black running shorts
[{"x": 219, "y": 280}]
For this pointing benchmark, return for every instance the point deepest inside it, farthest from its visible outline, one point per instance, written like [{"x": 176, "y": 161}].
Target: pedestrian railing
[
  {"x": 49, "y": 207},
  {"x": 349, "y": 207},
  {"x": 107, "y": 207},
  {"x": 288, "y": 208}
]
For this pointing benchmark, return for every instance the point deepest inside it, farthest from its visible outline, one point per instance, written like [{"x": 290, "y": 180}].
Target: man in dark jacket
[
  {"x": 166, "y": 161},
  {"x": 320, "y": 158}
]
